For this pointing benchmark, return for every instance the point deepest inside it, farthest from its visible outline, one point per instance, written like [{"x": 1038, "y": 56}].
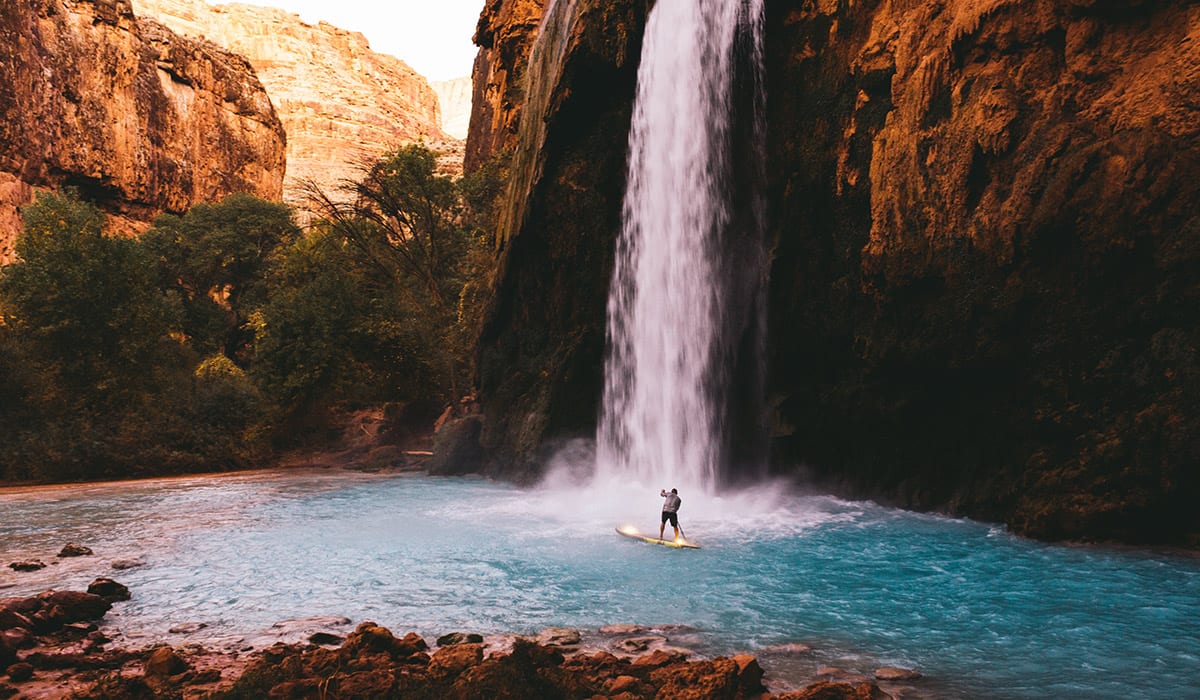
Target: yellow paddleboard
[{"x": 632, "y": 533}]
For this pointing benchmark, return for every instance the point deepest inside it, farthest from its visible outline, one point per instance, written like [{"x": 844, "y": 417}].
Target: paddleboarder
[{"x": 670, "y": 512}]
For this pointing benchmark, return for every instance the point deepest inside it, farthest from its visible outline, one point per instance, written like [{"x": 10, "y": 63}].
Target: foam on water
[{"x": 982, "y": 613}]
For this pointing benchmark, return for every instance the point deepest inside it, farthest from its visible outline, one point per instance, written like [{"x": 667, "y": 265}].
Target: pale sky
[{"x": 432, "y": 36}]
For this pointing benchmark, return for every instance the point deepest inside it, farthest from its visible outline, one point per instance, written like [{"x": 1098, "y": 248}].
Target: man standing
[{"x": 670, "y": 512}]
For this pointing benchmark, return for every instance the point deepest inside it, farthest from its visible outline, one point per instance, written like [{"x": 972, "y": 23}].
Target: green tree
[
  {"x": 301, "y": 347},
  {"x": 86, "y": 302},
  {"x": 86, "y": 329},
  {"x": 216, "y": 258},
  {"x": 409, "y": 229}
]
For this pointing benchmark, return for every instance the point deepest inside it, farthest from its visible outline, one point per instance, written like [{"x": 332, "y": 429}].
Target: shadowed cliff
[{"x": 983, "y": 288}]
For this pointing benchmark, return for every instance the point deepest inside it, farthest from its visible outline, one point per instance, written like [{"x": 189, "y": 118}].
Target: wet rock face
[
  {"x": 139, "y": 119},
  {"x": 984, "y": 285},
  {"x": 541, "y": 355},
  {"x": 986, "y": 215}
]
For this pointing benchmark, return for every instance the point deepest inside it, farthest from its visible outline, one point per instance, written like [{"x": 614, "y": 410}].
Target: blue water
[{"x": 981, "y": 613}]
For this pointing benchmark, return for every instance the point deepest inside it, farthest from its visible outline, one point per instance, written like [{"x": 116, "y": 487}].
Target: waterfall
[{"x": 686, "y": 301}]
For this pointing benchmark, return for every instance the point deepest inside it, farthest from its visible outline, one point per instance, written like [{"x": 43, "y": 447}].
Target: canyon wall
[
  {"x": 505, "y": 36},
  {"x": 340, "y": 102},
  {"x": 541, "y": 352},
  {"x": 139, "y": 119},
  {"x": 454, "y": 100},
  {"x": 986, "y": 225}
]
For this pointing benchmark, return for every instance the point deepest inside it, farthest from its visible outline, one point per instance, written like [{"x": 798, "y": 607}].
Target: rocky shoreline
[{"x": 52, "y": 646}]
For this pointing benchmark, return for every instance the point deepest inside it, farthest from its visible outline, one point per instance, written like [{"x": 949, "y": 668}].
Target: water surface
[{"x": 982, "y": 613}]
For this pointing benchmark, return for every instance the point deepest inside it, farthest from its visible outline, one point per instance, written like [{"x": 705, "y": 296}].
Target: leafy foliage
[
  {"x": 226, "y": 328},
  {"x": 83, "y": 301},
  {"x": 216, "y": 257},
  {"x": 416, "y": 243}
]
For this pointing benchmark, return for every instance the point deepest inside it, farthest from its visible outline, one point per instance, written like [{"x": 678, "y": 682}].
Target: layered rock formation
[
  {"x": 340, "y": 102},
  {"x": 139, "y": 119},
  {"x": 505, "y": 35},
  {"x": 986, "y": 244},
  {"x": 454, "y": 100}
]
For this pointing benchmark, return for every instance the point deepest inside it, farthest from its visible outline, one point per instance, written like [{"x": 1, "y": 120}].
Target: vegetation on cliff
[{"x": 226, "y": 332}]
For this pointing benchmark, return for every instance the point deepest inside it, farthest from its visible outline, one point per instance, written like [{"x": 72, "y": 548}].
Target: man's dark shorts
[{"x": 672, "y": 518}]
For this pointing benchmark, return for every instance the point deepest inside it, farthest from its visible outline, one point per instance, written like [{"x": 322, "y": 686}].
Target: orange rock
[
  {"x": 339, "y": 101},
  {"x": 164, "y": 662},
  {"x": 453, "y": 660},
  {"x": 140, "y": 119}
]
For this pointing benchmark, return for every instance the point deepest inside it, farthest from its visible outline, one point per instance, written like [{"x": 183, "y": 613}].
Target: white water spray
[{"x": 666, "y": 376}]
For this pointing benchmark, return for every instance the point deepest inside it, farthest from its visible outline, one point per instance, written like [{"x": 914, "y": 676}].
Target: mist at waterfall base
[{"x": 982, "y": 613}]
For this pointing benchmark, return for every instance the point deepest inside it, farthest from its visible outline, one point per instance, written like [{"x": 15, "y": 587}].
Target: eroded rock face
[
  {"x": 138, "y": 118},
  {"x": 541, "y": 352},
  {"x": 984, "y": 284},
  {"x": 454, "y": 100},
  {"x": 505, "y": 36},
  {"x": 984, "y": 288},
  {"x": 340, "y": 102}
]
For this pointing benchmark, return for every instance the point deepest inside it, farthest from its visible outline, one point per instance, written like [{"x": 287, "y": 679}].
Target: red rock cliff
[
  {"x": 984, "y": 285},
  {"x": 340, "y": 102},
  {"x": 985, "y": 281},
  {"x": 505, "y": 35},
  {"x": 140, "y": 119}
]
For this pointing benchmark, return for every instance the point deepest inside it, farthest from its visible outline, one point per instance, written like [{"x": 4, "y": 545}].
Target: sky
[{"x": 432, "y": 36}]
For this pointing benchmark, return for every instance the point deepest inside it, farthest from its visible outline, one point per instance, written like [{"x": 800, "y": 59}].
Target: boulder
[
  {"x": 828, "y": 690},
  {"x": 188, "y": 627},
  {"x": 559, "y": 636},
  {"x": 11, "y": 619},
  {"x": 325, "y": 639},
  {"x": 657, "y": 659},
  {"x": 25, "y": 606},
  {"x": 453, "y": 659},
  {"x": 8, "y": 651},
  {"x": 369, "y": 638},
  {"x": 623, "y": 684},
  {"x": 459, "y": 638},
  {"x": 638, "y": 645},
  {"x": 17, "y": 638},
  {"x": 75, "y": 550},
  {"x": 621, "y": 629},
  {"x": 749, "y": 673},
  {"x": 63, "y": 607},
  {"x": 123, "y": 564},
  {"x": 716, "y": 678},
  {"x": 164, "y": 662},
  {"x": 29, "y": 565},
  {"x": 109, "y": 590},
  {"x": 892, "y": 673},
  {"x": 370, "y": 683},
  {"x": 19, "y": 673},
  {"x": 456, "y": 448}
]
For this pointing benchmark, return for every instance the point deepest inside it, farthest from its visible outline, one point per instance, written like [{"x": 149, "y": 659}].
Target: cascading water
[{"x": 687, "y": 282}]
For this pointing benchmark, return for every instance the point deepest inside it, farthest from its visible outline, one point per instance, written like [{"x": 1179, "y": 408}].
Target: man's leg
[{"x": 662, "y": 526}]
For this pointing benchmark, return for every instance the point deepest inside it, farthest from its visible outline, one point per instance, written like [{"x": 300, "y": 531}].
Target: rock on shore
[{"x": 49, "y": 647}]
